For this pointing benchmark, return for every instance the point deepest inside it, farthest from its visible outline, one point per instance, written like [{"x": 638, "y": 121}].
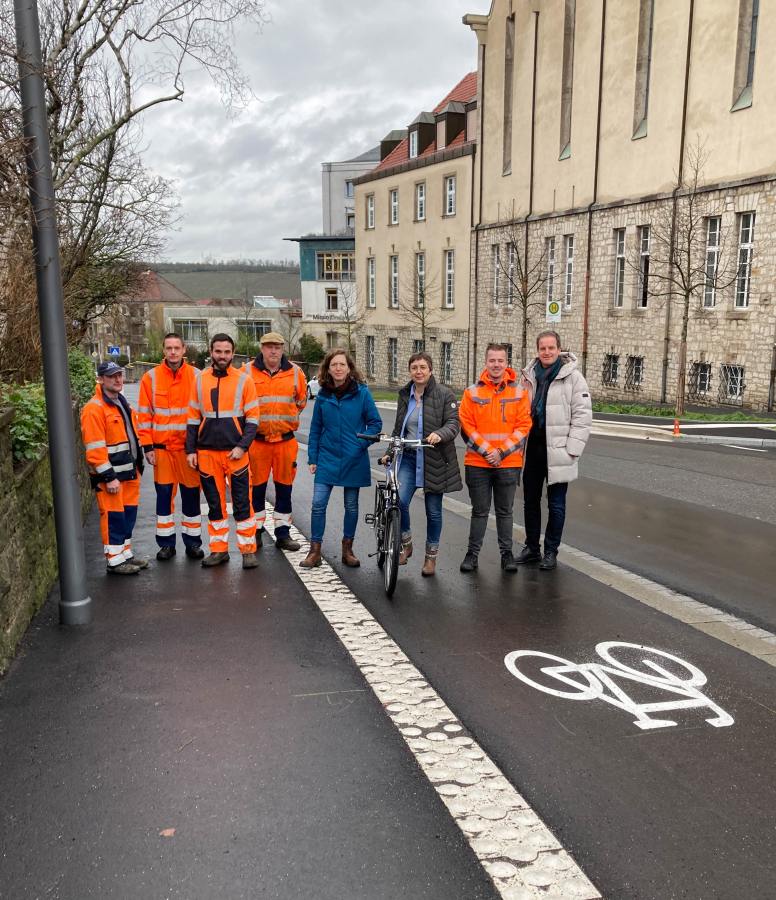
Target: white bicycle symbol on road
[{"x": 596, "y": 681}]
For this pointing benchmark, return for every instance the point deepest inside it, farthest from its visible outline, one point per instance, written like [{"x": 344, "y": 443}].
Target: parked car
[{"x": 313, "y": 387}]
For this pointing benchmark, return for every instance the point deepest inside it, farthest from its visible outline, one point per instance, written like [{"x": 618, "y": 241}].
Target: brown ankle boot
[
  {"x": 347, "y": 554},
  {"x": 429, "y": 563},
  {"x": 406, "y": 549},
  {"x": 313, "y": 558}
]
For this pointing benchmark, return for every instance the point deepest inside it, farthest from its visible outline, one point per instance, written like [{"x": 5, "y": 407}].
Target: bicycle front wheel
[
  {"x": 392, "y": 549},
  {"x": 380, "y": 526}
]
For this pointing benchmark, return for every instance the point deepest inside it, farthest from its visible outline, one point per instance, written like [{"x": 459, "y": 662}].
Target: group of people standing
[
  {"x": 196, "y": 429},
  {"x": 200, "y": 431}
]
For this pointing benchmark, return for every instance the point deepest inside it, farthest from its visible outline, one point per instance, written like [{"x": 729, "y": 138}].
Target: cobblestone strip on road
[{"x": 519, "y": 852}]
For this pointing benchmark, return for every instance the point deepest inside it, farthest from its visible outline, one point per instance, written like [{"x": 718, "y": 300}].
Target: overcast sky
[{"x": 332, "y": 77}]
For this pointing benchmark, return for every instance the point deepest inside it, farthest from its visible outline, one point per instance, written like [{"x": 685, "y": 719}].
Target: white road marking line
[
  {"x": 753, "y": 449},
  {"x": 729, "y": 629},
  {"x": 518, "y": 851}
]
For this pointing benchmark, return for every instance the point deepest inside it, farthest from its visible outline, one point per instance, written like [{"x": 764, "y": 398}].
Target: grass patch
[{"x": 634, "y": 409}]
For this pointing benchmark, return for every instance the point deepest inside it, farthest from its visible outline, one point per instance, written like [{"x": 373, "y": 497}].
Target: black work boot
[
  {"x": 549, "y": 560},
  {"x": 469, "y": 563},
  {"x": 195, "y": 552},
  {"x": 215, "y": 559},
  {"x": 286, "y": 542},
  {"x": 165, "y": 553},
  {"x": 508, "y": 563},
  {"x": 527, "y": 555},
  {"x": 249, "y": 561}
]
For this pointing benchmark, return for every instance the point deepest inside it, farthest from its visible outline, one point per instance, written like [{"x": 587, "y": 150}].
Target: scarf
[{"x": 544, "y": 378}]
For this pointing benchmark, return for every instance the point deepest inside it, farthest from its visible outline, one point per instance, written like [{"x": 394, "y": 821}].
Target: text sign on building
[{"x": 553, "y": 311}]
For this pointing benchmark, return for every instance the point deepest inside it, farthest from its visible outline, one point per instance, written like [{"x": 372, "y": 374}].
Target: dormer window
[{"x": 413, "y": 144}]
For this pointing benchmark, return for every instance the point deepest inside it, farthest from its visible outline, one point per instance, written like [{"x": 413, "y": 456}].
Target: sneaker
[
  {"x": 549, "y": 561},
  {"x": 165, "y": 553},
  {"x": 249, "y": 561},
  {"x": 215, "y": 559},
  {"x": 508, "y": 562},
  {"x": 287, "y": 543},
  {"x": 469, "y": 563},
  {"x": 138, "y": 561},
  {"x": 527, "y": 555},
  {"x": 195, "y": 552},
  {"x": 125, "y": 568}
]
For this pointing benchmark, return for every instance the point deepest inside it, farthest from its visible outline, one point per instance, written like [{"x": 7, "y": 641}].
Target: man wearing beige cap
[{"x": 281, "y": 389}]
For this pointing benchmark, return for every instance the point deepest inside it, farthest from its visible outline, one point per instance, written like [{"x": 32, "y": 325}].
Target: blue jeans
[
  {"x": 407, "y": 488},
  {"x": 321, "y": 494}
]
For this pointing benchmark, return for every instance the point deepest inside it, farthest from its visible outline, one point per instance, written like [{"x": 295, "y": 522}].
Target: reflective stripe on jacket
[
  {"x": 495, "y": 417},
  {"x": 223, "y": 411},
  {"x": 107, "y": 444},
  {"x": 163, "y": 406},
  {"x": 281, "y": 398}
]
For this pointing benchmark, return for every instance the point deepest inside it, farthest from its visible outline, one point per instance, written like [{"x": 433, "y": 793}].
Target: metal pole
[{"x": 75, "y": 605}]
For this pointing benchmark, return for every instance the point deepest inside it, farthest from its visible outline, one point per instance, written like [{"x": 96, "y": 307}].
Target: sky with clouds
[{"x": 331, "y": 78}]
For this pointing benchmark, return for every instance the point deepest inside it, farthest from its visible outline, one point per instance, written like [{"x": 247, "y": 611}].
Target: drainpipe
[
  {"x": 594, "y": 200},
  {"x": 533, "y": 112},
  {"x": 680, "y": 179}
]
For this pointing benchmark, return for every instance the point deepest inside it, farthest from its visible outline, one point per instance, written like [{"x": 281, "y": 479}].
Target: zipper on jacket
[{"x": 218, "y": 397}]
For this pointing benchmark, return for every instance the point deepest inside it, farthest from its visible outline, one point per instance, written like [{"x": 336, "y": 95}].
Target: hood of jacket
[{"x": 509, "y": 375}]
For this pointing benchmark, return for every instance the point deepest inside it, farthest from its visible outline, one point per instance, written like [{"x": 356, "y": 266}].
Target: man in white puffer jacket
[{"x": 562, "y": 416}]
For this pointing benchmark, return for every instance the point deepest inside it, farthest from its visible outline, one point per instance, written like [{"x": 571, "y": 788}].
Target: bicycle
[{"x": 386, "y": 518}]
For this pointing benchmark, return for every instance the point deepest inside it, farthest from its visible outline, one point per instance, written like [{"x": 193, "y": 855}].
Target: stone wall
[{"x": 28, "y": 552}]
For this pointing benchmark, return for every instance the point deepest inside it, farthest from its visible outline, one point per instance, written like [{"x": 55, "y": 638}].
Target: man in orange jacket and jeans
[
  {"x": 162, "y": 412},
  {"x": 281, "y": 390},
  {"x": 495, "y": 416},
  {"x": 223, "y": 414}
]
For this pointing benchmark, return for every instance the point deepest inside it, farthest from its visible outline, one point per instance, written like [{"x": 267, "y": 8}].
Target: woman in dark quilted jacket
[{"x": 427, "y": 410}]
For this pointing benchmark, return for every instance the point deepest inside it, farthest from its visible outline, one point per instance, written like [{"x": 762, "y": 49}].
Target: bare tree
[
  {"x": 351, "y": 311},
  {"x": 690, "y": 257},
  {"x": 520, "y": 278},
  {"x": 420, "y": 300},
  {"x": 291, "y": 327},
  {"x": 106, "y": 64}
]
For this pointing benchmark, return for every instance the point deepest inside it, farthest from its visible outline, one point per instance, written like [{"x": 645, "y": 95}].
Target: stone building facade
[{"x": 610, "y": 133}]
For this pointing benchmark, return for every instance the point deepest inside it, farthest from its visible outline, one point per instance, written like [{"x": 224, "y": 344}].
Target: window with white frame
[
  {"x": 420, "y": 201},
  {"x": 642, "y": 297},
  {"x": 450, "y": 195},
  {"x": 610, "y": 369},
  {"x": 449, "y": 279},
  {"x": 420, "y": 280},
  {"x": 418, "y": 346},
  {"x": 251, "y": 331},
  {"x": 446, "y": 362},
  {"x": 349, "y": 190},
  {"x": 713, "y": 231},
  {"x": 495, "y": 252},
  {"x": 568, "y": 280},
  {"x": 335, "y": 266},
  {"x": 370, "y": 355},
  {"x": 393, "y": 286},
  {"x": 393, "y": 359},
  {"x": 413, "y": 146},
  {"x": 745, "y": 252},
  {"x": 371, "y": 289},
  {"x": 393, "y": 203},
  {"x": 549, "y": 249},
  {"x": 332, "y": 300},
  {"x": 350, "y": 220},
  {"x": 511, "y": 271},
  {"x": 619, "y": 267},
  {"x": 193, "y": 331},
  {"x": 370, "y": 211}
]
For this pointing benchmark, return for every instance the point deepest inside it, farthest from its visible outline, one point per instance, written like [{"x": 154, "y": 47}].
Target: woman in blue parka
[{"x": 343, "y": 408}]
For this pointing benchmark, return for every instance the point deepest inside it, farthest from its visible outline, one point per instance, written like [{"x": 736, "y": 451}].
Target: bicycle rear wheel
[
  {"x": 392, "y": 549},
  {"x": 380, "y": 526}
]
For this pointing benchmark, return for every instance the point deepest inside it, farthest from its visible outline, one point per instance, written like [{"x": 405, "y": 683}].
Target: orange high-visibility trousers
[
  {"x": 216, "y": 470},
  {"x": 172, "y": 471},
  {"x": 277, "y": 458},
  {"x": 118, "y": 513}
]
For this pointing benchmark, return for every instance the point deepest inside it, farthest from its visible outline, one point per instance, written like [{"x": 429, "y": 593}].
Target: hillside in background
[{"x": 222, "y": 281}]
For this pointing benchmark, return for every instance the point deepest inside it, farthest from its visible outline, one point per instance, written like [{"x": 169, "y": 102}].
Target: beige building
[
  {"x": 611, "y": 133},
  {"x": 413, "y": 243}
]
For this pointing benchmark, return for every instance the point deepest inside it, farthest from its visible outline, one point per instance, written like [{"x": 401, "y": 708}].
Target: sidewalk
[{"x": 209, "y": 737}]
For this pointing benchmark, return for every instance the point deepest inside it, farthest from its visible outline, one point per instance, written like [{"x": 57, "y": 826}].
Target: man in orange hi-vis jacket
[
  {"x": 495, "y": 417},
  {"x": 162, "y": 413},
  {"x": 115, "y": 460},
  {"x": 223, "y": 415},
  {"x": 281, "y": 389}
]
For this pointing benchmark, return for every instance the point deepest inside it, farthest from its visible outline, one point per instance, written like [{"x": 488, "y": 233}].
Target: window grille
[
  {"x": 447, "y": 362},
  {"x": 634, "y": 373},
  {"x": 393, "y": 359},
  {"x": 418, "y": 346},
  {"x": 370, "y": 355},
  {"x": 731, "y": 384},
  {"x": 699, "y": 381},
  {"x": 610, "y": 369}
]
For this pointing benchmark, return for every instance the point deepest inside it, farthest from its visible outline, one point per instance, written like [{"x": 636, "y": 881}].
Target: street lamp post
[{"x": 75, "y": 605}]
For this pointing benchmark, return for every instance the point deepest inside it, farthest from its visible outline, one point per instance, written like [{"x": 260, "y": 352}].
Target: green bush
[
  {"x": 82, "y": 377},
  {"x": 311, "y": 349},
  {"x": 29, "y": 431}
]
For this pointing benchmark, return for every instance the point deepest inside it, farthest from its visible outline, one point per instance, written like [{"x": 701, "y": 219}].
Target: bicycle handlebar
[{"x": 413, "y": 443}]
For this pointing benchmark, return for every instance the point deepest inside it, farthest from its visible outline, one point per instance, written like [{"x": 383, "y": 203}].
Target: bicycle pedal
[
  {"x": 369, "y": 519},
  {"x": 370, "y": 555}
]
